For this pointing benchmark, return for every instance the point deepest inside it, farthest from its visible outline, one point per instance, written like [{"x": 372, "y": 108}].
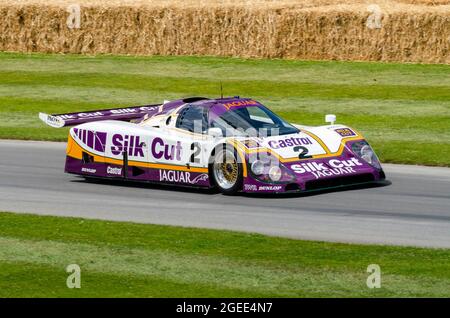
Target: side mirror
[
  {"x": 215, "y": 132},
  {"x": 330, "y": 118}
]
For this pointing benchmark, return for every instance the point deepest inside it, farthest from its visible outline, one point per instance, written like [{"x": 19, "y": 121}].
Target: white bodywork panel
[{"x": 157, "y": 140}]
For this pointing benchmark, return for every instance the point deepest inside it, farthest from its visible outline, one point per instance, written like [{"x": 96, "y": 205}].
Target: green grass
[
  {"x": 402, "y": 109},
  {"x": 136, "y": 260}
]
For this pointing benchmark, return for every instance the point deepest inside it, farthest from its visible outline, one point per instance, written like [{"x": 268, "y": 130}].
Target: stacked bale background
[{"x": 411, "y": 30}]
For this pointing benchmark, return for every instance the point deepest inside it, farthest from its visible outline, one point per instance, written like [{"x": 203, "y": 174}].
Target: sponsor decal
[
  {"x": 345, "y": 132},
  {"x": 334, "y": 167},
  {"x": 162, "y": 149},
  {"x": 53, "y": 120},
  {"x": 81, "y": 115},
  {"x": 95, "y": 140},
  {"x": 88, "y": 170},
  {"x": 181, "y": 176},
  {"x": 250, "y": 187},
  {"x": 127, "y": 143},
  {"x": 270, "y": 188},
  {"x": 114, "y": 170},
  {"x": 132, "y": 110},
  {"x": 251, "y": 144},
  {"x": 241, "y": 103},
  {"x": 103, "y": 113},
  {"x": 289, "y": 142}
]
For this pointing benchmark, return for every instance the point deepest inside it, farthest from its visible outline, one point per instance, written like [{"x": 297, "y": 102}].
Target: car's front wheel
[{"x": 226, "y": 169}]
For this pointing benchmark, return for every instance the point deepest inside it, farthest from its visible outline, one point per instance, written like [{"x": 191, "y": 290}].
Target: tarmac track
[{"x": 414, "y": 210}]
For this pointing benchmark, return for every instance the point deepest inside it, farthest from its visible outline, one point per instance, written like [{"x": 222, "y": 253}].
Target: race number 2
[
  {"x": 303, "y": 152},
  {"x": 195, "y": 147}
]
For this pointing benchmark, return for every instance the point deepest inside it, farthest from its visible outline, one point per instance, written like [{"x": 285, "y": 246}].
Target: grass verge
[
  {"x": 403, "y": 109},
  {"x": 120, "y": 259}
]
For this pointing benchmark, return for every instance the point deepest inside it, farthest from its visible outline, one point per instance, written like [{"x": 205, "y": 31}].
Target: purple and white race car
[{"x": 234, "y": 144}]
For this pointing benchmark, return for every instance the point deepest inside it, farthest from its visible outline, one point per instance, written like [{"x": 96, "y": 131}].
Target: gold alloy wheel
[
  {"x": 230, "y": 171},
  {"x": 226, "y": 169}
]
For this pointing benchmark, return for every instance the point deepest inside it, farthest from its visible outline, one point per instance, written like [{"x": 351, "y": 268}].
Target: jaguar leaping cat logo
[{"x": 201, "y": 177}]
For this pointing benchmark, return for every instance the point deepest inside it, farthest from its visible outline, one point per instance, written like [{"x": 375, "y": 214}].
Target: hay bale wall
[{"x": 408, "y": 30}]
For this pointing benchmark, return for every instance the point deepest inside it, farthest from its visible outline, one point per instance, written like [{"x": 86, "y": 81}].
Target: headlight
[
  {"x": 258, "y": 167},
  {"x": 365, "y": 152},
  {"x": 275, "y": 173},
  {"x": 268, "y": 169}
]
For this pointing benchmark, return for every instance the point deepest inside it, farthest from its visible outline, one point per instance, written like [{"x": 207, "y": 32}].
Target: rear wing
[{"x": 124, "y": 114}]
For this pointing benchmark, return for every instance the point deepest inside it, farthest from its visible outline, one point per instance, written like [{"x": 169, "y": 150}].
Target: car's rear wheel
[{"x": 226, "y": 170}]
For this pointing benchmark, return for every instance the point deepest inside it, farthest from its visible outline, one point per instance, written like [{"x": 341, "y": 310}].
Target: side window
[{"x": 193, "y": 118}]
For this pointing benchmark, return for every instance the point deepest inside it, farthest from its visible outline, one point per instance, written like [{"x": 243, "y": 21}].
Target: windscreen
[{"x": 252, "y": 121}]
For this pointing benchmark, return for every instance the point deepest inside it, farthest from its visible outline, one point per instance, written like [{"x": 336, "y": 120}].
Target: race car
[{"x": 233, "y": 144}]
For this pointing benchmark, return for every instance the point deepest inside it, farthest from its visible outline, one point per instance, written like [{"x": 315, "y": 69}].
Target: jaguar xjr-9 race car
[{"x": 234, "y": 144}]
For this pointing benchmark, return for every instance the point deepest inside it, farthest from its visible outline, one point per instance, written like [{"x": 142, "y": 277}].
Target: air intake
[
  {"x": 87, "y": 158},
  {"x": 137, "y": 171},
  {"x": 193, "y": 99}
]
